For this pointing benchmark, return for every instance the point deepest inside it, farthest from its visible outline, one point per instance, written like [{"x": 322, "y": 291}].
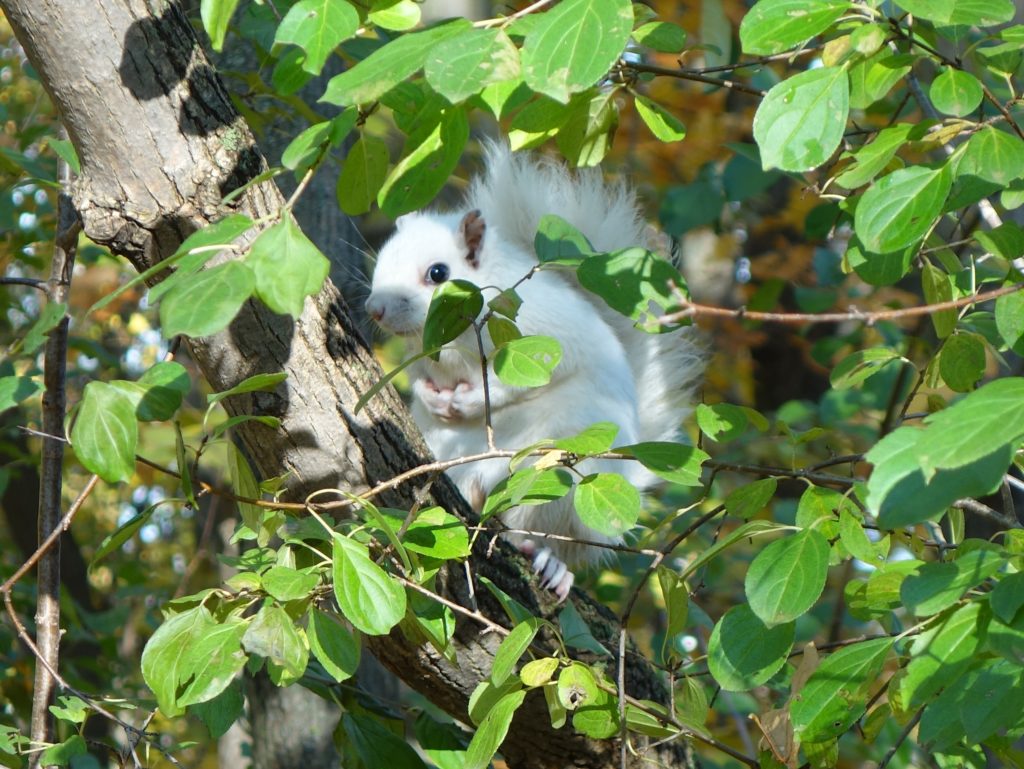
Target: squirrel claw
[{"x": 554, "y": 574}]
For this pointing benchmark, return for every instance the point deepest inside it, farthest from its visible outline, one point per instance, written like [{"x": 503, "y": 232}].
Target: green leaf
[
  {"x": 559, "y": 241},
  {"x": 419, "y": 176},
  {"x": 453, "y": 308},
  {"x": 222, "y": 711},
  {"x": 607, "y": 503},
  {"x": 538, "y": 672},
  {"x": 512, "y": 648},
  {"x": 749, "y": 500},
  {"x": 743, "y": 652},
  {"x": 375, "y": 744},
  {"x": 529, "y": 486},
  {"x": 774, "y": 26},
  {"x": 990, "y": 417},
  {"x": 368, "y": 596},
  {"x": 941, "y": 653},
  {"x": 741, "y": 532},
  {"x": 124, "y": 532},
  {"x": 1008, "y": 596},
  {"x": 993, "y": 155},
  {"x": 501, "y": 330},
  {"x": 956, "y": 92},
  {"x": 872, "y": 78},
  {"x": 288, "y": 75},
  {"x": 1007, "y": 639},
  {"x": 662, "y": 123},
  {"x": 879, "y": 269},
  {"x": 192, "y": 658},
  {"x": 676, "y": 595},
  {"x": 994, "y": 701},
  {"x": 598, "y": 720},
  {"x": 398, "y": 15},
  {"x": 287, "y": 584},
  {"x": 492, "y": 731},
  {"x": 308, "y": 147},
  {"x": 901, "y": 207},
  {"x": 576, "y": 633},
  {"x": 49, "y": 318},
  {"x": 937, "y": 289},
  {"x": 573, "y": 45},
  {"x": 72, "y": 709},
  {"x": 389, "y": 65},
  {"x": 857, "y": 367},
  {"x": 1005, "y": 241},
  {"x": 158, "y": 393},
  {"x": 362, "y": 175},
  {"x": 444, "y": 743},
  {"x": 528, "y": 361},
  {"x": 937, "y": 586},
  {"x": 874, "y": 157},
  {"x": 787, "y": 577},
  {"x": 800, "y": 122},
  {"x": 465, "y": 64},
  {"x": 272, "y": 635},
  {"x": 216, "y": 16},
  {"x": 1010, "y": 320},
  {"x": 721, "y": 422},
  {"x": 577, "y": 686},
  {"x": 106, "y": 432},
  {"x": 586, "y": 136},
  {"x": 661, "y": 36},
  {"x": 287, "y": 267},
  {"x": 254, "y": 383},
  {"x": 15, "y": 389},
  {"x": 672, "y": 462},
  {"x": 629, "y": 281},
  {"x": 317, "y": 27},
  {"x": 66, "y": 151},
  {"x": 902, "y": 492},
  {"x": 207, "y": 302},
  {"x": 434, "y": 532},
  {"x": 333, "y": 645},
  {"x": 962, "y": 361},
  {"x": 197, "y": 249},
  {"x": 64, "y": 752},
  {"x": 836, "y": 694},
  {"x": 961, "y": 12}
]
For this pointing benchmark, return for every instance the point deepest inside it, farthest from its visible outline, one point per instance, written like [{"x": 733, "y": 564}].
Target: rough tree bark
[{"x": 160, "y": 145}]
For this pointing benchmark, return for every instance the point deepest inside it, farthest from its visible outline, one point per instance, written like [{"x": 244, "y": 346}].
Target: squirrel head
[{"x": 426, "y": 250}]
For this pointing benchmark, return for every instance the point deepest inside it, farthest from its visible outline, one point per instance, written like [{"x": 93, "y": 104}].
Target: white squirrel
[{"x": 609, "y": 370}]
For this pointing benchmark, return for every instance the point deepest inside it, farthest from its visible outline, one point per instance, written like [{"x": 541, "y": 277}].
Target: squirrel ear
[{"x": 471, "y": 228}]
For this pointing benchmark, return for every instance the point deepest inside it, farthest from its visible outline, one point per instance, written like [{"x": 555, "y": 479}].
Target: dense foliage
[{"x": 830, "y": 577}]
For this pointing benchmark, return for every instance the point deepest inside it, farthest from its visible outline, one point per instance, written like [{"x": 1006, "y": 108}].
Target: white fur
[{"x": 609, "y": 372}]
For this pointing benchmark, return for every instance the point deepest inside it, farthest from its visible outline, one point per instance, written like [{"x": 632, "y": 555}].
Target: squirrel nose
[{"x": 375, "y": 308}]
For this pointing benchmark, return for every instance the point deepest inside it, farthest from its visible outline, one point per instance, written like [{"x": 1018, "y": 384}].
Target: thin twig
[
  {"x": 686, "y": 74},
  {"x": 51, "y": 467},
  {"x": 31, "y": 282},
  {"x": 692, "y": 309}
]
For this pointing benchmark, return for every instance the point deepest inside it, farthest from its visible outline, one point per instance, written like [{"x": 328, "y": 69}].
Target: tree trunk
[{"x": 160, "y": 145}]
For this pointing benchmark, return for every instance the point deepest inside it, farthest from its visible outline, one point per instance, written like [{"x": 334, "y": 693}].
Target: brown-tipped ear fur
[{"x": 472, "y": 230}]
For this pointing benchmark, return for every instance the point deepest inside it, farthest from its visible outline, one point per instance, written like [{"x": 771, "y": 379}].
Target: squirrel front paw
[
  {"x": 437, "y": 400},
  {"x": 447, "y": 403},
  {"x": 467, "y": 400}
]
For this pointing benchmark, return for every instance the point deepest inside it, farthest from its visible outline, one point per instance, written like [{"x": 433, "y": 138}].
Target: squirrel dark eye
[{"x": 437, "y": 273}]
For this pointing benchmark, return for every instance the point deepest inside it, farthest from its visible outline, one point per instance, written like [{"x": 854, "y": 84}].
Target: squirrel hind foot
[{"x": 552, "y": 572}]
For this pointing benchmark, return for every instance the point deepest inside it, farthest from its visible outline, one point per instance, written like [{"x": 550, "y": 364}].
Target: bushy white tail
[{"x": 517, "y": 190}]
